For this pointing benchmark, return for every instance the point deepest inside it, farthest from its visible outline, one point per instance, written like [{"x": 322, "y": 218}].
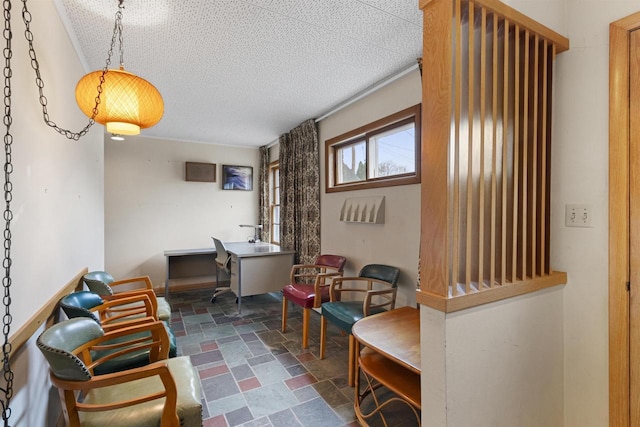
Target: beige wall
[
  {"x": 150, "y": 208},
  {"x": 58, "y": 226},
  {"x": 496, "y": 365},
  {"x": 396, "y": 241}
]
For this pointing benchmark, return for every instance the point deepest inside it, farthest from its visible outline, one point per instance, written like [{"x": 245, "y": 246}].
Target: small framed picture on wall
[{"x": 237, "y": 177}]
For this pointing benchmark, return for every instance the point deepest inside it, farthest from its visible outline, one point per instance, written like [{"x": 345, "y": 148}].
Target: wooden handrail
[{"x": 45, "y": 315}]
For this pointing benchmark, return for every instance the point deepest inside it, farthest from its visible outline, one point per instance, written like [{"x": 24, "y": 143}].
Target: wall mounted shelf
[{"x": 368, "y": 210}]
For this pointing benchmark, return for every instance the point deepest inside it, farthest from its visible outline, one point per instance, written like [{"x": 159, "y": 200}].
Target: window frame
[
  {"x": 274, "y": 186},
  {"x": 363, "y": 133}
]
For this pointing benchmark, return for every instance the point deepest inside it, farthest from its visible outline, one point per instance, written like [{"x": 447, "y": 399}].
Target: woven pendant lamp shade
[{"x": 128, "y": 103}]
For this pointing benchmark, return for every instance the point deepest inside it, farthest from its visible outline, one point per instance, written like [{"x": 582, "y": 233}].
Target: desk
[
  {"x": 258, "y": 268},
  {"x": 189, "y": 266},
  {"x": 391, "y": 357}
]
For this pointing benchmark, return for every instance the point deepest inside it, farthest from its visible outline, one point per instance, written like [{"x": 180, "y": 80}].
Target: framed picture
[
  {"x": 200, "y": 172},
  {"x": 237, "y": 177}
]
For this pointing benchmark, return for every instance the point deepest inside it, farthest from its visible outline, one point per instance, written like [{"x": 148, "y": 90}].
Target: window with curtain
[{"x": 274, "y": 201}]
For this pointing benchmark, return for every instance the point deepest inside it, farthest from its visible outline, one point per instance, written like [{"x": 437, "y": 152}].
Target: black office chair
[{"x": 223, "y": 263}]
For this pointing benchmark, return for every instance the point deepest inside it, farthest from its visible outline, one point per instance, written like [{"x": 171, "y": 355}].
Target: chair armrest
[
  {"x": 145, "y": 279},
  {"x": 159, "y": 369},
  {"x": 297, "y": 267},
  {"x": 367, "y": 303},
  {"x": 150, "y": 293},
  {"x": 337, "y": 288},
  {"x": 149, "y": 335},
  {"x": 117, "y": 309}
]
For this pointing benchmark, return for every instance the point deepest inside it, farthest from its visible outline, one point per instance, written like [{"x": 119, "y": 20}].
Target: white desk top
[
  {"x": 240, "y": 249},
  {"x": 245, "y": 249}
]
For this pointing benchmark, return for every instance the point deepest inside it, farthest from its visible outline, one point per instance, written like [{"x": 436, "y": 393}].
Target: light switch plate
[{"x": 578, "y": 216}]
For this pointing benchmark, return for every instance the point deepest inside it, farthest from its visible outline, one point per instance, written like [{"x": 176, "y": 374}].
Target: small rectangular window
[
  {"x": 380, "y": 154},
  {"x": 352, "y": 159}
]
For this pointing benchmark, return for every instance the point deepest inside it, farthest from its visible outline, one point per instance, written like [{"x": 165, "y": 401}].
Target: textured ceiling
[{"x": 242, "y": 72}]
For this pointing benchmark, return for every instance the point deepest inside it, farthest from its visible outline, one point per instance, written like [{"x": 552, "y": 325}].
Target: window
[
  {"x": 380, "y": 154},
  {"x": 274, "y": 202}
]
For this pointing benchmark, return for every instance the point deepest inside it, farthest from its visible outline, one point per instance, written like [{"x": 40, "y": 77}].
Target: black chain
[
  {"x": 7, "y": 391},
  {"x": 117, "y": 29}
]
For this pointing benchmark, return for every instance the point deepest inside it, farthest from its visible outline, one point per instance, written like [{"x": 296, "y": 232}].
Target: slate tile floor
[{"x": 254, "y": 375}]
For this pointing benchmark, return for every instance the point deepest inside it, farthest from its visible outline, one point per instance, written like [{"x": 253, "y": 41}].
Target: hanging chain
[
  {"x": 7, "y": 390},
  {"x": 117, "y": 29}
]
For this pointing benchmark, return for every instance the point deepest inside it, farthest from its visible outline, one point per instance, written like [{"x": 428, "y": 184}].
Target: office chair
[
  {"x": 309, "y": 288},
  {"x": 223, "y": 263},
  {"x": 103, "y": 284},
  {"x": 111, "y": 316},
  {"x": 376, "y": 285},
  {"x": 164, "y": 392}
]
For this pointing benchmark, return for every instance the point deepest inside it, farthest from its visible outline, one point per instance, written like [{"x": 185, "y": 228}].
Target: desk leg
[{"x": 239, "y": 285}]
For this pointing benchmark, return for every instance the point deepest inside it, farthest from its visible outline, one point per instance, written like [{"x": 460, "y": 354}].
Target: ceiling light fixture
[{"x": 125, "y": 103}]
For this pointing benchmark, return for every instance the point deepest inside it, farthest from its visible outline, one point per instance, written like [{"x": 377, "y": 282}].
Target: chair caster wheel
[{"x": 213, "y": 299}]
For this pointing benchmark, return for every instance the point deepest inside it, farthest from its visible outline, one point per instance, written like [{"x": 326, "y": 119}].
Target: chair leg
[
  {"x": 305, "y": 327},
  {"x": 323, "y": 333},
  {"x": 284, "y": 314},
  {"x": 352, "y": 353}
]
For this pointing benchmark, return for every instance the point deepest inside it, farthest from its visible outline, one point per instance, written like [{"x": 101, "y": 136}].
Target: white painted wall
[
  {"x": 396, "y": 242},
  {"x": 580, "y": 175},
  {"x": 150, "y": 208},
  {"x": 497, "y": 365},
  {"x": 58, "y": 226}
]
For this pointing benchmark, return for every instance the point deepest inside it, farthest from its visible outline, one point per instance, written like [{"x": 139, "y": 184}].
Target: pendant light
[{"x": 120, "y": 100}]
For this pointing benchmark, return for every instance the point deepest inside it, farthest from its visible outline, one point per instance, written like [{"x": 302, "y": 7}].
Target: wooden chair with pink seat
[{"x": 309, "y": 288}]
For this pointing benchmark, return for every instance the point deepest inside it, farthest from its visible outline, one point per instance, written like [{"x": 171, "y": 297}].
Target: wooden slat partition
[{"x": 487, "y": 73}]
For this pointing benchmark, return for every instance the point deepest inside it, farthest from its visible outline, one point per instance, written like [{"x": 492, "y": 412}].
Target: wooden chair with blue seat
[
  {"x": 165, "y": 392},
  {"x": 309, "y": 287},
  {"x": 352, "y": 298},
  {"x": 111, "y": 317},
  {"x": 103, "y": 284}
]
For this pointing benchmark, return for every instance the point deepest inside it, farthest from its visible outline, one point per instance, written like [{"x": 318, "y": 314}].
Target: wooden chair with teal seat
[
  {"x": 111, "y": 317},
  {"x": 309, "y": 288},
  {"x": 165, "y": 392},
  {"x": 103, "y": 284},
  {"x": 372, "y": 291}
]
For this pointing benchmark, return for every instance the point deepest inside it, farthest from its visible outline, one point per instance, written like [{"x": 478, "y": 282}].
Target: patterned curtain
[
  {"x": 300, "y": 192},
  {"x": 265, "y": 236}
]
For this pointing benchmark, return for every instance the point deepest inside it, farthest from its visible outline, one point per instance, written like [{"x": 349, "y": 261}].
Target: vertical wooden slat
[
  {"x": 516, "y": 154},
  {"x": 483, "y": 100},
  {"x": 456, "y": 173},
  {"x": 543, "y": 166},
  {"x": 534, "y": 158},
  {"x": 525, "y": 161},
  {"x": 437, "y": 94},
  {"x": 494, "y": 152},
  {"x": 505, "y": 174},
  {"x": 470, "y": 120}
]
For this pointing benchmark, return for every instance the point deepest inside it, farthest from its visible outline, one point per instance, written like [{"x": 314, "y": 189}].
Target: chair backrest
[
  {"x": 79, "y": 304},
  {"x": 222, "y": 256},
  {"x": 336, "y": 262},
  {"x": 381, "y": 272},
  {"x": 58, "y": 342},
  {"x": 98, "y": 282}
]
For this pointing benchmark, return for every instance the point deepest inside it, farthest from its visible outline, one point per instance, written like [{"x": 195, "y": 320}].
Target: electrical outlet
[{"x": 577, "y": 216}]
